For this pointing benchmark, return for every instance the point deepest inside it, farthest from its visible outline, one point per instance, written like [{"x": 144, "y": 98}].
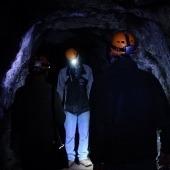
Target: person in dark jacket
[
  {"x": 32, "y": 119},
  {"x": 74, "y": 85},
  {"x": 128, "y": 107}
]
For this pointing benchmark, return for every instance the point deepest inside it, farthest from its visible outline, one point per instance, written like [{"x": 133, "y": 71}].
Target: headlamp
[
  {"x": 37, "y": 64},
  {"x": 127, "y": 49},
  {"x": 74, "y": 62}
]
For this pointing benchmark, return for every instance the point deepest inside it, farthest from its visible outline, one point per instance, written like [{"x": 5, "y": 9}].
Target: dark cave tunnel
[
  {"x": 91, "y": 36},
  {"x": 92, "y": 49}
]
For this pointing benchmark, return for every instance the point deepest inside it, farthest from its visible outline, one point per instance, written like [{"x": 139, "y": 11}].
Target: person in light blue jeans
[
  {"x": 74, "y": 85},
  {"x": 82, "y": 121}
]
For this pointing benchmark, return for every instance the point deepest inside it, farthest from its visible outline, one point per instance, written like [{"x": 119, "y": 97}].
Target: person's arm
[
  {"x": 96, "y": 129},
  {"x": 60, "y": 115},
  {"x": 15, "y": 111},
  {"x": 61, "y": 84},
  {"x": 90, "y": 81},
  {"x": 163, "y": 125}
]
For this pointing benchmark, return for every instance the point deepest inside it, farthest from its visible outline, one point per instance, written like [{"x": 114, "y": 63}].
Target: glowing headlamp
[
  {"x": 37, "y": 64},
  {"x": 74, "y": 62},
  {"x": 127, "y": 49}
]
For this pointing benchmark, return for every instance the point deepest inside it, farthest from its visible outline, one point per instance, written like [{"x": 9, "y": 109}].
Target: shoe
[
  {"x": 70, "y": 163},
  {"x": 86, "y": 162}
]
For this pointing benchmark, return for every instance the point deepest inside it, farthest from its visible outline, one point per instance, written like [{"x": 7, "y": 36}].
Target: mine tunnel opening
[
  {"x": 91, "y": 42},
  {"x": 84, "y": 31},
  {"x": 92, "y": 45}
]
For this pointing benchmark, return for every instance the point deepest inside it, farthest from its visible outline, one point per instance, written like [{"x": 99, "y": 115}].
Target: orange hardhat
[
  {"x": 38, "y": 63},
  {"x": 122, "y": 43},
  {"x": 71, "y": 54}
]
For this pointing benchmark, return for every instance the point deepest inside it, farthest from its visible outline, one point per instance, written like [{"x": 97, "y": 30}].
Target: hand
[
  {"x": 98, "y": 167},
  {"x": 164, "y": 159}
]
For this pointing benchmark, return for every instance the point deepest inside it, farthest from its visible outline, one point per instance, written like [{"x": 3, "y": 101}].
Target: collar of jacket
[{"x": 81, "y": 69}]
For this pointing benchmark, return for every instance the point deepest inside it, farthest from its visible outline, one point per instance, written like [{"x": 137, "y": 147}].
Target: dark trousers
[
  {"x": 41, "y": 159},
  {"x": 149, "y": 165}
]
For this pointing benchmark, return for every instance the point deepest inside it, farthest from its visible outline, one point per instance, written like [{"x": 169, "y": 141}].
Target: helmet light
[
  {"x": 123, "y": 42},
  {"x": 74, "y": 62},
  {"x": 129, "y": 49},
  {"x": 37, "y": 64}
]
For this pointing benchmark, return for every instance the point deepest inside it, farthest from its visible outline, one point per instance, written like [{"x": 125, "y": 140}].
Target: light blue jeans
[{"x": 70, "y": 124}]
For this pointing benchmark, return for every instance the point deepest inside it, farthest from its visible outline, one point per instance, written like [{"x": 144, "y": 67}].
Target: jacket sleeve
[
  {"x": 90, "y": 81},
  {"x": 61, "y": 84},
  {"x": 163, "y": 119},
  {"x": 15, "y": 123},
  {"x": 60, "y": 115},
  {"x": 96, "y": 130}
]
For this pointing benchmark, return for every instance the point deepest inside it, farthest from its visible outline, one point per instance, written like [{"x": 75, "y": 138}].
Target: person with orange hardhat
[
  {"x": 32, "y": 128},
  {"x": 73, "y": 60},
  {"x": 128, "y": 108},
  {"x": 72, "y": 56},
  {"x": 123, "y": 44},
  {"x": 74, "y": 85}
]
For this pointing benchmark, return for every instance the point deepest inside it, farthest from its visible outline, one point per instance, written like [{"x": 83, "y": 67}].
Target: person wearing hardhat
[
  {"x": 128, "y": 109},
  {"x": 123, "y": 44},
  {"x": 32, "y": 128},
  {"x": 74, "y": 85}
]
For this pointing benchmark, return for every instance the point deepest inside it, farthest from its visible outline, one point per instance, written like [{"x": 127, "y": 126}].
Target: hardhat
[
  {"x": 122, "y": 43},
  {"x": 38, "y": 63},
  {"x": 71, "y": 53},
  {"x": 72, "y": 56}
]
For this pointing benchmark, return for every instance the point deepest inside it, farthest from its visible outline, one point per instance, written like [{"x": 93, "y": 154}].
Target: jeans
[
  {"x": 71, "y": 122},
  {"x": 149, "y": 165}
]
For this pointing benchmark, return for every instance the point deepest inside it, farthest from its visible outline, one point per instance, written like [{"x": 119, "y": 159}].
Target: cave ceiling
[{"x": 51, "y": 26}]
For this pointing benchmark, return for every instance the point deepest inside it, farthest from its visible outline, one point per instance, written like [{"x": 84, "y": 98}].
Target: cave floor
[{"x": 78, "y": 167}]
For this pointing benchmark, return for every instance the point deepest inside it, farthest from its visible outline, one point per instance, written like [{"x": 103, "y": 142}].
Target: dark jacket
[
  {"x": 75, "y": 90},
  {"x": 128, "y": 106},
  {"x": 31, "y": 117}
]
